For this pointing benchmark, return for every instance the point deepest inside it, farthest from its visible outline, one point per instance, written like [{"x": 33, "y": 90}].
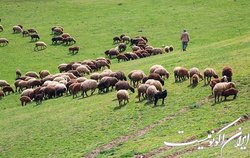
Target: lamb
[
  {"x": 162, "y": 72},
  {"x": 34, "y": 37},
  {"x": 4, "y": 83},
  {"x": 156, "y": 83},
  {"x": 160, "y": 95},
  {"x": 74, "y": 49},
  {"x": 24, "y": 100},
  {"x": 150, "y": 92},
  {"x": 17, "y": 29},
  {"x": 40, "y": 44},
  {"x": 142, "y": 90},
  {"x": 83, "y": 69},
  {"x": 4, "y": 42},
  {"x": 193, "y": 71},
  {"x": 32, "y": 74},
  {"x": 88, "y": 85},
  {"x": 230, "y": 91},
  {"x": 213, "y": 82},
  {"x": 121, "y": 57},
  {"x": 1, "y": 95},
  {"x": 44, "y": 73},
  {"x": 124, "y": 85},
  {"x": 194, "y": 80},
  {"x": 122, "y": 95},
  {"x": 208, "y": 74},
  {"x": 227, "y": 71},
  {"x": 219, "y": 88}
]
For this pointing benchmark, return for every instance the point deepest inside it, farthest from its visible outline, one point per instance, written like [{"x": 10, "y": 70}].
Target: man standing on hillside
[{"x": 184, "y": 39}]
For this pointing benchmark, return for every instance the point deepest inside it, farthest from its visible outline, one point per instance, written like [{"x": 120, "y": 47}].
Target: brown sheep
[
  {"x": 208, "y": 74},
  {"x": 136, "y": 76},
  {"x": 154, "y": 67},
  {"x": 119, "y": 75},
  {"x": 123, "y": 85},
  {"x": 194, "y": 80},
  {"x": 65, "y": 35},
  {"x": 116, "y": 40},
  {"x": 88, "y": 85},
  {"x": 17, "y": 29},
  {"x": 162, "y": 72},
  {"x": 180, "y": 74},
  {"x": 40, "y": 44},
  {"x": 29, "y": 93},
  {"x": 18, "y": 73},
  {"x": 193, "y": 71},
  {"x": 227, "y": 71},
  {"x": 121, "y": 57},
  {"x": 151, "y": 91},
  {"x": 4, "y": 83},
  {"x": 4, "y": 42},
  {"x": 74, "y": 49},
  {"x": 44, "y": 73},
  {"x": 122, "y": 47},
  {"x": 8, "y": 89},
  {"x": 154, "y": 76},
  {"x": 101, "y": 64},
  {"x": 219, "y": 88},
  {"x": 122, "y": 95},
  {"x": 107, "y": 82},
  {"x": 230, "y": 91},
  {"x": 24, "y": 100},
  {"x": 32, "y": 74},
  {"x": 112, "y": 52},
  {"x": 95, "y": 76},
  {"x": 125, "y": 39},
  {"x": 76, "y": 87},
  {"x": 213, "y": 82},
  {"x": 142, "y": 90}
]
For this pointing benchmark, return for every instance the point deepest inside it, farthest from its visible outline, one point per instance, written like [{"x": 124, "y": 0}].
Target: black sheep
[{"x": 160, "y": 95}]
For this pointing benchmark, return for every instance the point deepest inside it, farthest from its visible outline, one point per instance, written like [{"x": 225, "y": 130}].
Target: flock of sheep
[
  {"x": 59, "y": 37},
  {"x": 72, "y": 80}
]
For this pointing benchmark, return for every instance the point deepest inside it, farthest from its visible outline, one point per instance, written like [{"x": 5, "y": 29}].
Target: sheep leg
[
  {"x": 235, "y": 96},
  {"x": 86, "y": 94},
  {"x": 163, "y": 101},
  {"x": 156, "y": 100}
]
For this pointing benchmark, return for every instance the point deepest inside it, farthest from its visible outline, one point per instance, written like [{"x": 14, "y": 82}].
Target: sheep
[
  {"x": 122, "y": 47},
  {"x": 24, "y": 100},
  {"x": 43, "y": 73},
  {"x": 194, "y": 80},
  {"x": 75, "y": 73},
  {"x": 40, "y": 44},
  {"x": 35, "y": 37},
  {"x": 171, "y": 48},
  {"x": 17, "y": 29},
  {"x": 154, "y": 76},
  {"x": 193, "y": 71},
  {"x": 134, "y": 56},
  {"x": 50, "y": 92},
  {"x": 107, "y": 82},
  {"x": 166, "y": 49},
  {"x": 116, "y": 40},
  {"x": 230, "y": 91},
  {"x": 1, "y": 95},
  {"x": 28, "y": 92},
  {"x": 81, "y": 79},
  {"x": 60, "y": 89},
  {"x": 57, "y": 30},
  {"x": 65, "y": 35},
  {"x": 4, "y": 42},
  {"x": 83, "y": 69},
  {"x": 7, "y": 89},
  {"x": 208, "y": 74},
  {"x": 32, "y": 74},
  {"x": 34, "y": 83},
  {"x": 124, "y": 85},
  {"x": 76, "y": 87},
  {"x": 88, "y": 85},
  {"x": 162, "y": 72},
  {"x": 142, "y": 90},
  {"x": 74, "y": 49},
  {"x": 102, "y": 63},
  {"x": 156, "y": 51},
  {"x": 135, "y": 41},
  {"x": 1, "y": 28},
  {"x": 227, "y": 71},
  {"x": 122, "y": 95},
  {"x": 125, "y": 39},
  {"x": 18, "y": 73},
  {"x": 69, "y": 41},
  {"x": 136, "y": 76},
  {"x": 31, "y": 31},
  {"x": 4, "y": 83},
  {"x": 154, "y": 67},
  {"x": 128, "y": 55},
  {"x": 101, "y": 58},
  {"x": 220, "y": 87},
  {"x": 20, "y": 84},
  {"x": 105, "y": 72},
  {"x": 150, "y": 92},
  {"x": 39, "y": 98},
  {"x": 180, "y": 74},
  {"x": 135, "y": 48},
  {"x": 121, "y": 57},
  {"x": 160, "y": 95},
  {"x": 95, "y": 76},
  {"x": 56, "y": 39},
  {"x": 213, "y": 82},
  {"x": 156, "y": 83},
  {"x": 112, "y": 52}
]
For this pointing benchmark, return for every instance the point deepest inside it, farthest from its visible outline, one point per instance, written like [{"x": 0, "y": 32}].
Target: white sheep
[
  {"x": 156, "y": 83},
  {"x": 40, "y": 44},
  {"x": 4, "y": 42},
  {"x": 17, "y": 29},
  {"x": 122, "y": 95},
  {"x": 150, "y": 92},
  {"x": 219, "y": 88}
]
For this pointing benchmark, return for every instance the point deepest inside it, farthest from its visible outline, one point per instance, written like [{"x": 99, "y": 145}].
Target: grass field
[{"x": 66, "y": 127}]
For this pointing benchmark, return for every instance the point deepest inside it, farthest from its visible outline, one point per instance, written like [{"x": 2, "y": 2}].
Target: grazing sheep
[
  {"x": 60, "y": 89},
  {"x": 227, "y": 71},
  {"x": 136, "y": 76},
  {"x": 40, "y": 44},
  {"x": 160, "y": 95},
  {"x": 219, "y": 88},
  {"x": 119, "y": 75},
  {"x": 230, "y": 91},
  {"x": 1, "y": 28},
  {"x": 116, "y": 40},
  {"x": 69, "y": 41},
  {"x": 31, "y": 31},
  {"x": 156, "y": 83},
  {"x": 39, "y": 98},
  {"x": 122, "y": 95},
  {"x": 142, "y": 90},
  {"x": 50, "y": 92},
  {"x": 150, "y": 92},
  {"x": 88, "y": 85},
  {"x": 34, "y": 37},
  {"x": 122, "y": 47},
  {"x": 125, "y": 39},
  {"x": 105, "y": 72},
  {"x": 124, "y": 85},
  {"x": 194, "y": 80},
  {"x": 18, "y": 73},
  {"x": 28, "y": 92},
  {"x": 34, "y": 83},
  {"x": 44, "y": 73},
  {"x": 154, "y": 76},
  {"x": 75, "y": 72},
  {"x": 57, "y": 39},
  {"x": 32, "y": 74},
  {"x": 154, "y": 67},
  {"x": 21, "y": 84},
  {"x": 81, "y": 79},
  {"x": 101, "y": 64},
  {"x": 208, "y": 74},
  {"x": 25, "y": 33},
  {"x": 121, "y": 57},
  {"x": 171, "y": 48},
  {"x": 74, "y": 49},
  {"x": 135, "y": 48},
  {"x": 112, "y": 52},
  {"x": 75, "y": 88},
  {"x": 1, "y": 95},
  {"x": 156, "y": 51},
  {"x": 24, "y": 100},
  {"x": 162, "y": 72},
  {"x": 128, "y": 55},
  {"x": 57, "y": 30},
  {"x": 4, "y": 83},
  {"x": 213, "y": 82},
  {"x": 135, "y": 41},
  {"x": 65, "y": 35},
  {"x": 95, "y": 76},
  {"x": 17, "y": 29},
  {"x": 4, "y": 42},
  {"x": 62, "y": 67},
  {"x": 196, "y": 71},
  {"x": 180, "y": 74},
  {"x": 107, "y": 82},
  {"x": 134, "y": 56}
]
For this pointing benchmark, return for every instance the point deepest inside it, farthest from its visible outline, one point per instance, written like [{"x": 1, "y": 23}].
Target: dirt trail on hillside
[{"x": 187, "y": 150}]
